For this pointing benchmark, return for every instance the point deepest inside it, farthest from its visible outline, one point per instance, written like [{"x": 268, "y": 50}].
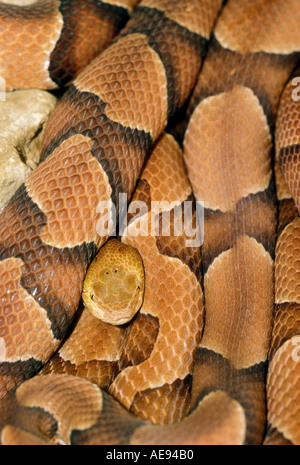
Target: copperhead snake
[{"x": 211, "y": 356}]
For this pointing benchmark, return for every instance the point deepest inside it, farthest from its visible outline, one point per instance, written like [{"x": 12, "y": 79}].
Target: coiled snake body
[{"x": 204, "y": 361}]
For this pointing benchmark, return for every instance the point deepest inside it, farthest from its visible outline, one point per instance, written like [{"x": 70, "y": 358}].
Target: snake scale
[{"x": 176, "y": 103}]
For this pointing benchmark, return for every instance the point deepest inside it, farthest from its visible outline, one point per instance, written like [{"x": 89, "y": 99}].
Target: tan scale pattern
[
  {"x": 239, "y": 231},
  {"x": 99, "y": 372},
  {"x": 198, "y": 18},
  {"x": 288, "y": 118},
  {"x": 286, "y": 325},
  {"x": 287, "y": 213},
  {"x": 69, "y": 193},
  {"x": 91, "y": 351},
  {"x": 174, "y": 185},
  {"x": 173, "y": 296},
  {"x": 17, "y": 436},
  {"x": 213, "y": 372},
  {"x": 290, "y": 162},
  {"x": 232, "y": 408},
  {"x": 88, "y": 29},
  {"x": 221, "y": 230},
  {"x": 218, "y": 420},
  {"x": 17, "y": 330},
  {"x": 139, "y": 341},
  {"x": 274, "y": 438},
  {"x": 287, "y": 264},
  {"x": 113, "y": 288},
  {"x": 288, "y": 135},
  {"x": 284, "y": 373},
  {"x": 245, "y": 315},
  {"x": 135, "y": 91},
  {"x": 49, "y": 269},
  {"x": 29, "y": 42},
  {"x": 246, "y": 70},
  {"x": 282, "y": 188},
  {"x": 182, "y": 58},
  {"x": 283, "y": 391},
  {"x": 47, "y": 43},
  {"x": 263, "y": 26},
  {"x": 92, "y": 340},
  {"x": 79, "y": 410},
  {"x": 215, "y": 150}
]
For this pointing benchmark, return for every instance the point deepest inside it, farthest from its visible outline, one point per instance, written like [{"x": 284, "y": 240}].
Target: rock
[
  {"x": 19, "y": 2},
  {"x": 23, "y": 116}
]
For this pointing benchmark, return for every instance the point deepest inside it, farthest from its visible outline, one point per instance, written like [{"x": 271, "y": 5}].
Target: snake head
[{"x": 114, "y": 285}]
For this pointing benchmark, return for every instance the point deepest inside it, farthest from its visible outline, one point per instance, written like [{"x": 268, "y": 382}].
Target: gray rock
[{"x": 23, "y": 116}]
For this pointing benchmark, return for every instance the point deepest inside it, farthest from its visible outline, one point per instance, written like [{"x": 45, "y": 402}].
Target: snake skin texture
[
  {"x": 156, "y": 363},
  {"x": 47, "y": 44},
  {"x": 212, "y": 356},
  {"x": 284, "y": 373},
  {"x": 288, "y": 140},
  {"x": 228, "y": 143},
  {"x": 94, "y": 148}
]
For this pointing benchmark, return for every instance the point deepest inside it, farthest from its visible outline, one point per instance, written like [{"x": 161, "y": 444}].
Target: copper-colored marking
[
  {"x": 92, "y": 340},
  {"x": 239, "y": 303},
  {"x": 167, "y": 158},
  {"x": 288, "y": 119},
  {"x": 221, "y": 230},
  {"x": 198, "y": 17},
  {"x": 29, "y": 39},
  {"x": 12, "y": 435},
  {"x": 68, "y": 187},
  {"x": 287, "y": 144},
  {"x": 287, "y": 213},
  {"x": 227, "y": 144},
  {"x": 52, "y": 393},
  {"x": 130, "y": 78},
  {"x": 218, "y": 420},
  {"x": 250, "y": 71},
  {"x": 282, "y": 189},
  {"x": 22, "y": 318},
  {"x": 283, "y": 390},
  {"x": 263, "y": 26},
  {"x": 287, "y": 264},
  {"x": 286, "y": 325},
  {"x": 174, "y": 296}
]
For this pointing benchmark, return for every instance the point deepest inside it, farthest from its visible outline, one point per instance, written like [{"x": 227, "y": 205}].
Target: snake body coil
[{"x": 194, "y": 361}]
